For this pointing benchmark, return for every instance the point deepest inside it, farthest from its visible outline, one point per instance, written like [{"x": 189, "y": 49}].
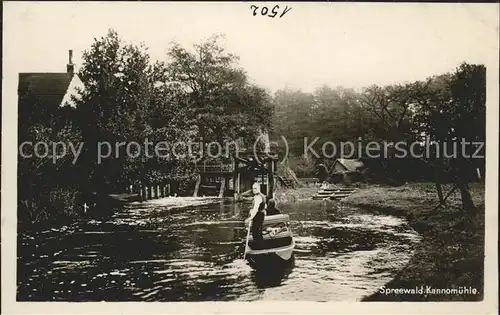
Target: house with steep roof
[
  {"x": 347, "y": 165},
  {"x": 347, "y": 171},
  {"x": 41, "y": 94}
]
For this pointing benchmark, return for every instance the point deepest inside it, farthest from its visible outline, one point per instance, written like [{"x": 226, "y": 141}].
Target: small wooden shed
[{"x": 347, "y": 171}]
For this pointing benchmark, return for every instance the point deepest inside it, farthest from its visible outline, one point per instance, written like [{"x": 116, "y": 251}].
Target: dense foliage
[
  {"x": 436, "y": 115},
  {"x": 201, "y": 94},
  {"x": 195, "y": 95}
]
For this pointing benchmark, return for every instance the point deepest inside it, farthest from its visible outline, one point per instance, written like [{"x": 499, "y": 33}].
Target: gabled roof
[
  {"x": 350, "y": 164},
  {"x": 49, "y": 88},
  {"x": 44, "y": 83}
]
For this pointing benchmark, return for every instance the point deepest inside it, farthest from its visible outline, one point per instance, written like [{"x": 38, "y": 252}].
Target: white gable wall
[{"x": 74, "y": 86}]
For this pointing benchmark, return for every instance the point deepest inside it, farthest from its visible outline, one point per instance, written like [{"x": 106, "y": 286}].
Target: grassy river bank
[{"x": 451, "y": 253}]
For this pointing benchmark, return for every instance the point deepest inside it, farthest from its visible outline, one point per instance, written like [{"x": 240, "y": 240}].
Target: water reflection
[
  {"x": 153, "y": 253},
  {"x": 273, "y": 274}
]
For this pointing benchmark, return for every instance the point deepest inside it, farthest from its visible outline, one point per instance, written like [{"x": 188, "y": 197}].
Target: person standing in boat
[{"x": 257, "y": 213}]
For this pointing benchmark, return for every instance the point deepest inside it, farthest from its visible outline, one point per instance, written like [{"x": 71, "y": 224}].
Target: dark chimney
[{"x": 70, "y": 67}]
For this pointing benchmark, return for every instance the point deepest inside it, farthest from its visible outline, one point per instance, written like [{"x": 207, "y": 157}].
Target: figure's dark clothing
[
  {"x": 322, "y": 173},
  {"x": 258, "y": 221}
]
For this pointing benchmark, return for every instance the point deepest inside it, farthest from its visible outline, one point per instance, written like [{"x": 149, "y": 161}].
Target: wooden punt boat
[{"x": 277, "y": 246}]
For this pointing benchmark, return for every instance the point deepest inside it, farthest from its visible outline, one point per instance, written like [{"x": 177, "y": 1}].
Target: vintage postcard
[{"x": 249, "y": 157}]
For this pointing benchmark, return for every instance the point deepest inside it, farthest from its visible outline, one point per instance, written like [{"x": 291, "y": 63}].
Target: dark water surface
[{"x": 155, "y": 253}]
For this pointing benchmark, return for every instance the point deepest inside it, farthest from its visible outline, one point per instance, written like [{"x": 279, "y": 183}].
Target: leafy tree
[
  {"x": 41, "y": 174},
  {"x": 221, "y": 100},
  {"x": 294, "y": 118},
  {"x": 391, "y": 108},
  {"x": 192, "y": 96},
  {"x": 452, "y": 109},
  {"x": 115, "y": 105},
  {"x": 444, "y": 109}
]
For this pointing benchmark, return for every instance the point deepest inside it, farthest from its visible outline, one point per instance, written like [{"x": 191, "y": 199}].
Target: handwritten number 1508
[{"x": 271, "y": 13}]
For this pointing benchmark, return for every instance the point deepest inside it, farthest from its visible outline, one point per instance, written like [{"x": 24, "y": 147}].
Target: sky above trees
[{"x": 348, "y": 44}]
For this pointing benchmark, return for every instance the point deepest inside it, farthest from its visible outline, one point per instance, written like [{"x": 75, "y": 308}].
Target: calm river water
[{"x": 153, "y": 253}]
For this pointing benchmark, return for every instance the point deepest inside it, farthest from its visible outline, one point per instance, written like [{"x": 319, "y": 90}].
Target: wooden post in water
[
  {"x": 143, "y": 193},
  {"x": 222, "y": 188},
  {"x": 270, "y": 179},
  {"x": 237, "y": 186},
  {"x": 197, "y": 186},
  {"x": 150, "y": 192}
]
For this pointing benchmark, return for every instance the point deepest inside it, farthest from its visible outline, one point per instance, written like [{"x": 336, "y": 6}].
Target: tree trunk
[
  {"x": 467, "y": 203},
  {"x": 440, "y": 193},
  {"x": 461, "y": 180},
  {"x": 438, "y": 181}
]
